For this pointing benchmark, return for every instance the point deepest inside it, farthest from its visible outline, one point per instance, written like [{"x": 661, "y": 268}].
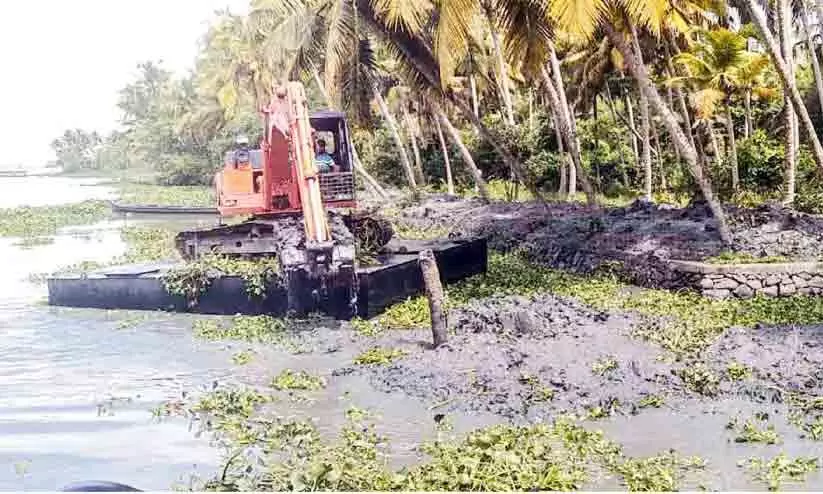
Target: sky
[{"x": 64, "y": 62}]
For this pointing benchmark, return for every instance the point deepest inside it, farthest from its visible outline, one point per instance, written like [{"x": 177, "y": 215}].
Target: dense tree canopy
[{"x": 668, "y": 99}]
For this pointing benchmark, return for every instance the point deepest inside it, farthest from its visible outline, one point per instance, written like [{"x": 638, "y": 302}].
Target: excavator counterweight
[{"x": 304, "y": 217}]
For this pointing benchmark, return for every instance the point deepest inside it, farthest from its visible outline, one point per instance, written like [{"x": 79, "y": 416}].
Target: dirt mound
[
  {"x": 524, "y": 358},
  {"x": 639, "y": 229}
]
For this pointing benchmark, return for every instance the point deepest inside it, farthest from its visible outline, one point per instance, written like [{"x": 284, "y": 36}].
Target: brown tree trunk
[
  {"x": 784, "y": 25},
  {"x": 659, "y": 158},
  {"x": 464, "y": 152},
  {"x": 503, "y": 75},
  {"x": 565, "y": 158},
  {"x": 785, "y": 78},
  {"x": 570, "y": 141},
  {"x": 418, "y": 165},
  {"x": 686, "y": 149},
  {"x": 395, "y": 132},
  {"x": 747, "y": 103},
  {"x": 645, "y": 124},
  {"x": 434, "y": 292},
  {"x": 632, "y": 129},
  {"x": 568, "y": 116},
  {"x": 732, "y": 151},
  {"x": 446, "y": 161},
  {"x": 818, "y": 76}
]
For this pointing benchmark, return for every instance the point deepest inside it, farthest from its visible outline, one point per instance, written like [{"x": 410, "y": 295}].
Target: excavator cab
[
  {"x": 240, "y": 189},
  {"x": 336, "y": 188}
]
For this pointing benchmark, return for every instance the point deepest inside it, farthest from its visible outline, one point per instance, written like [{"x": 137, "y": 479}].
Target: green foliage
[
  {"x": 775, "y": 472},
  {"x": 604, "y": 365},
  {"x": 297, "y": 380},
  {"x": 700, "y": 379},
  {"x": 657, "y": 473},
  {"x": 77, "y": 149},
  {"x": 749, "y": 432},
  {"x": 33, "y": 221},
  {"x": 738, "y": 371},
  {"x": 242, "y": 358},
  {"x": 192, "y": 279},
  {"x": 255, "y": 329},
  {"x": 730, "y": 257},
  {"x": 760, "y": 161},
  {"x": 379, "y": 356},
  {"x": 167, "y": 196},
  {"x": 653, "y": 401}
]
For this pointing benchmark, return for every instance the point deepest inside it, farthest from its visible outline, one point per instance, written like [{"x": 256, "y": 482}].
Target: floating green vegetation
[
  {"x": 160, "y": 195},
  {"x": 411, "y": 313},
  {"x": 147, "y": 244},
  {"x": 781, "y": 469},
  {"x": 749, "y": 432},
  {"x": 651, "y": 401},
  {"x": 37, "y": 221},
  {"x": 659, "y": 473},
  {"x": 243, "y": 357},
  {"x": 297, "y": 380},
  {"x": 729, "y": 257},
  {"x": 193, "y": 278},
  {"x": 31, "y": 242},
  {"x": 411, "y": 232},
  {"x": 539, "y": 391},
  {"x": 254, "y": 329},
  {"x": 679, "y": 321},
  {"x": 738, "y": 371},
  {"x": 700, "y": 379},
  {"x": 604, "y": 365},
  {"x": 542, "y": 457},
  {"x": 379, "y": 356},
  {"x": 365, "y": 327}
]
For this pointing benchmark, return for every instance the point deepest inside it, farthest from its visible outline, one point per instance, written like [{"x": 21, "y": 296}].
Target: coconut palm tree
[
  {"x": 715, "y": 65},
  {"x": 784, "y": 71}
]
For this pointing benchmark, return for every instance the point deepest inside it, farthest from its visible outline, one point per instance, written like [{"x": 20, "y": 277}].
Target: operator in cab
[
  {"x": 242, "y": 156},
  {"x": 323, "y": 160}
]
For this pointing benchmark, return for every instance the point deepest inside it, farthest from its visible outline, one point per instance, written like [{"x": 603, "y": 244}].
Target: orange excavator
[{"x": 307, "y": 219}]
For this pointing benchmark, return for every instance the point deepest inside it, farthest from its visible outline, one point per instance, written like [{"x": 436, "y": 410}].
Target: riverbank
[{"x": 576, "y": 380}]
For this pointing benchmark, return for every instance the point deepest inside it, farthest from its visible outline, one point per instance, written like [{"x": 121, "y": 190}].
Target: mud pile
[
  {"x": 528, "y": 359},
  {"x": 640, "y": 229}
]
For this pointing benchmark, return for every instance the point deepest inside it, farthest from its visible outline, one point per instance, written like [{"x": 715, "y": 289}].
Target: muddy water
[{"x": 77, "y": 386}]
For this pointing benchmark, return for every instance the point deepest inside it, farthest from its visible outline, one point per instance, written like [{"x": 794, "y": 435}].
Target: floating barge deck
[{"x": 140, "y": 286}]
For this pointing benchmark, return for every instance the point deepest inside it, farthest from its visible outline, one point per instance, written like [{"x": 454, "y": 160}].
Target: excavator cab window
[{"x": 330, "y": 126}]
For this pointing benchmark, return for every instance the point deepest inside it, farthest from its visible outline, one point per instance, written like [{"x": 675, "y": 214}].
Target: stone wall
[
  {"x": 717, "y": 281},
  {"x": 721, "y": 281}
]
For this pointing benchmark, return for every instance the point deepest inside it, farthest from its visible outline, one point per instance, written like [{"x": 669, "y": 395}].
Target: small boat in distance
[{"x": 160, "y": 209}]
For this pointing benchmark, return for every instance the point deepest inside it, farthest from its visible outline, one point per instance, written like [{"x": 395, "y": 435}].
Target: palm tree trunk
[
  {"x": 788, "y": 86},
  {"x": 747, "y": 103},
  {"x": 632, "y": 128},
  {"x": 818, "y": 76},
  {"x": 686, "y": 149},
  {"x": 682, "y": 104},
  {"x": 784, "y": 27},
  {"x": 563, "y": 188},
  {"x": 732, "y": 151},
  {"x": 713, "y": 140},
  {"x": 395, "y": 132},
  {"x": 572, "y": 145},
  {"x": 645, "y": 124},
  {"x": 446, "y": 161},
  {"x": 418, "y": 165},
  {"x": 358, "y": 165},
  {"x": 464, "y": 152},
  {"x": 503, "y": 74},
  {"x": 659, "y": 158},
  {"x": 475, "y": 102}
]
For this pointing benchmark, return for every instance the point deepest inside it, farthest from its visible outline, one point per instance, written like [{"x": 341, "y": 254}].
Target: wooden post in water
[{"x": 434, "y": 292}]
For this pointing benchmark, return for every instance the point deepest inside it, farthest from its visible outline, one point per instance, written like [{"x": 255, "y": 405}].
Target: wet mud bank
[{"x": 637, "y": 241}]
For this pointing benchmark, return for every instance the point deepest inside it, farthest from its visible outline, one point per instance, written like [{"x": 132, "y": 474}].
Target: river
[{"x": 77, "y": 386}]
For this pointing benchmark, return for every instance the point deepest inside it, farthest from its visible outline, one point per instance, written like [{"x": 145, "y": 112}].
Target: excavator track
[{"x": 315, "y": 276}]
